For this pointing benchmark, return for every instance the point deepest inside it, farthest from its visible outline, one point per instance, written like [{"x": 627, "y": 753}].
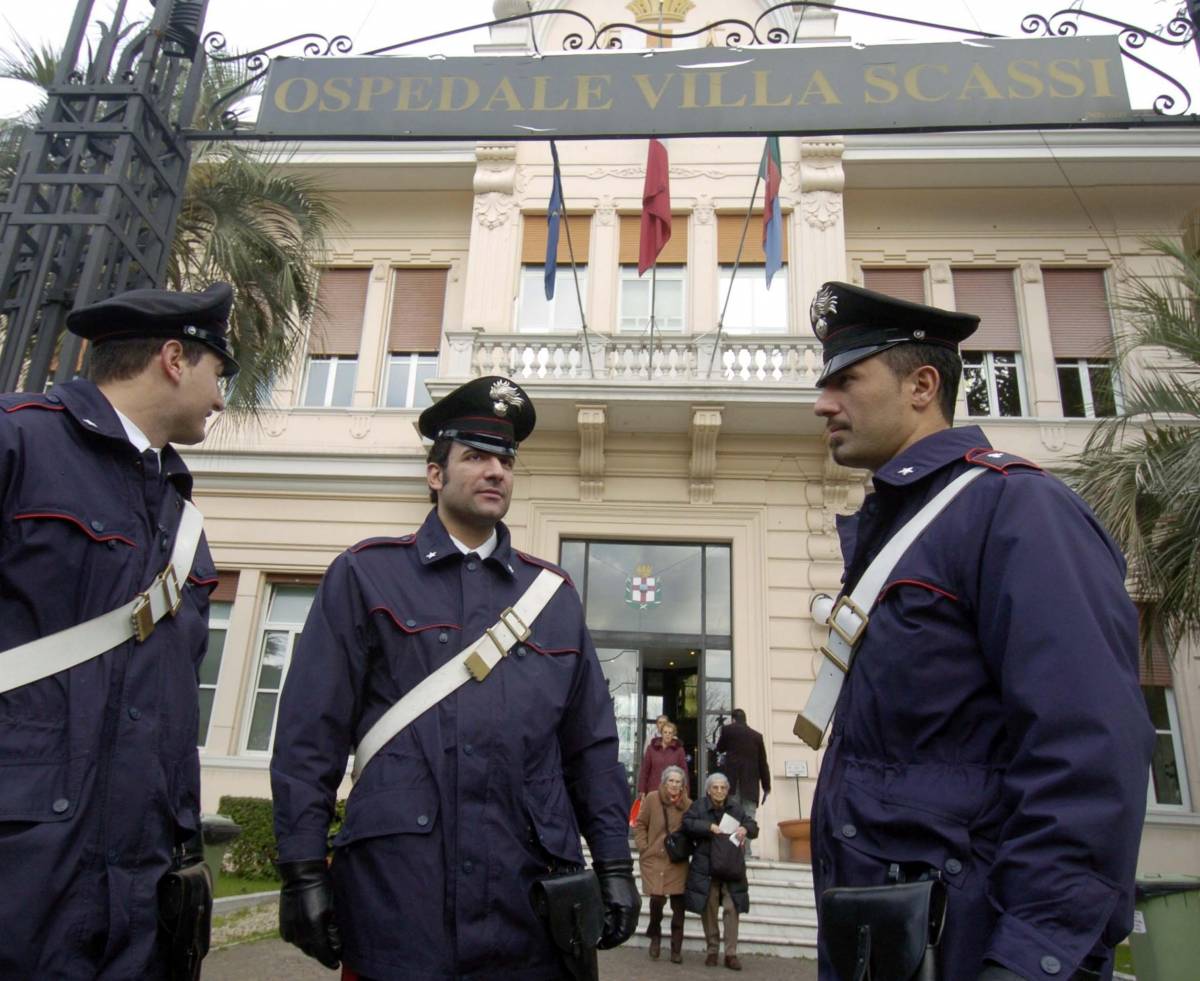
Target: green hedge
[{"x": 252, "y": 854}]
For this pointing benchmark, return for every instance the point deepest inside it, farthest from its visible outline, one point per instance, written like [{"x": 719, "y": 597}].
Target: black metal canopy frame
[{"x": 99, "y": 182}]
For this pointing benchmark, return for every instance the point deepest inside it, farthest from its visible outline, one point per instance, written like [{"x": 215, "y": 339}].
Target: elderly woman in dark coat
[
  {"x": 662, "y": 812},
  {"x": 704, "y": 894}
]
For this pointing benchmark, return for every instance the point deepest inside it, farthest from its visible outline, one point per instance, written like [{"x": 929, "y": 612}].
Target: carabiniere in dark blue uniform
[{"x": 991, "y": 732}]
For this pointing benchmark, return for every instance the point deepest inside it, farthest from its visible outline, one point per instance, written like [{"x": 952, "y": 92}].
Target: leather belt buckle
[
  {"x": 516, "y": 626},
  {"x": 845, "y": 602},
  {"x": 837, "y": 661},
  {"x": 171, "y": 590}
]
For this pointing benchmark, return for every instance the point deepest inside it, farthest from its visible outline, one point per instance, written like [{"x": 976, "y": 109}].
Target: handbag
[
  {"x": 677, "y": 844},
  {"x": 884, "y": 933},
  {"x": 726, "y": 861},
  {"x": 185, "y": 913}
]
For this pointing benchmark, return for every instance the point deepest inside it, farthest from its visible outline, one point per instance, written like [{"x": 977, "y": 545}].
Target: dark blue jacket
[
  {"x": 992, "y": 727},
  {"x": 452, "y": 822},
  {"x": 99, "y": 775}
]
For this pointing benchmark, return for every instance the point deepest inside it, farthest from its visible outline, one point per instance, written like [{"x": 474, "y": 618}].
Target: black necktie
[{"x": 153, "y": 478}]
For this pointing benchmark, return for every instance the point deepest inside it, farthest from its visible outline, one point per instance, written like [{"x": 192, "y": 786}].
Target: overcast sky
[{"x": 374, "y": 23}]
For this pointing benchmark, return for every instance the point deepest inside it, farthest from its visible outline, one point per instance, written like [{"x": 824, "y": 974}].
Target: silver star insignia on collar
[
  {"x": 995, "y": 456},
  {"x": 430, "y": 555},
  {"x": 89, "y": 422},
  {"x": 905, "y": 471},
  {"x": 510, "y": 569}
]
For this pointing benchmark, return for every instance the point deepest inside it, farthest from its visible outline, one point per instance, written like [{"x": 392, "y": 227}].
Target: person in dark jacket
[
  {"x": 453, "y": 821},
  {"x": 99, "y": 774},
  {"x": 662, "y": 751},
  {"x": 705, "y": 894},
  {"x": 743, "y": 756},
  {"x": 991, "y": 732}
]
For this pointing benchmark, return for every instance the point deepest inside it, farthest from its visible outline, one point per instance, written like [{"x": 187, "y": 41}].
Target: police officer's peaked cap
[
  {"x": 200, "y": 317},
  {"x": 853, "y": 324},
  {"x": 492, "y": 414}
]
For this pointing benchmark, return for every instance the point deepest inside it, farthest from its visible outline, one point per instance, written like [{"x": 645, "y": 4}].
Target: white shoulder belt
[
  {"x": 475, "y": 661},
  {"x": 848, "y": 617},
  {"x": 65, "y": 649}
]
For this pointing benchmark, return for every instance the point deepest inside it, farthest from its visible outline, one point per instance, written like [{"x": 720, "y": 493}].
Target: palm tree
[
  {"x": 1140, "y": 470},
  {"x": 244, "y": 219}
]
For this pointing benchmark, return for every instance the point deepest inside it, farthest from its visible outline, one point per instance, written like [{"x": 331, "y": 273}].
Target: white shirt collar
[
  {"x": 140, "y": 441},
  {"x": 483, "y": 551}
]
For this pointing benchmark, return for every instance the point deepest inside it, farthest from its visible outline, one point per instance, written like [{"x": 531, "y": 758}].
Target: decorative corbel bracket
[
  {"x": 706, "y": 425},
  {"x": 592, "y": 422}
]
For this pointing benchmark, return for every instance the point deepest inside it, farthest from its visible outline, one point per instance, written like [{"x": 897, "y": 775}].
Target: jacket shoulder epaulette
[
  {"x": 543, "y": 564},
  {"x": 985, "y": 456},
  {"x": 383, "y": 541},
  {"x": 16, "y": 401}
]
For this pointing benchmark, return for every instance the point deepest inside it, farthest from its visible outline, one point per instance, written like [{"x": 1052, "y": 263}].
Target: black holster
[
  {"x": 884, "y": 933},
  {"x": 570, "y": 904},
  {"x": 185, "y": 911}
]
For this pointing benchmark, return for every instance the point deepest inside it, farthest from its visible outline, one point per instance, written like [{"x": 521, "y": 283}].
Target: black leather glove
[
  {"x": 306, "y": 910},
  {"x": 622, "y": 904},
  {"x": 994, "y": 972}
]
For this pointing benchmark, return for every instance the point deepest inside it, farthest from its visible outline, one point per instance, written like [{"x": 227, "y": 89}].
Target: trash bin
[
  {"x": 1166, "y": 928},
  {"x": 218, "y": 832}
]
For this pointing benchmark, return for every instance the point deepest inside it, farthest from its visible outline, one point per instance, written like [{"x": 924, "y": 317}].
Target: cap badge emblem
[
  {"x": 825, "y": 302},
  {"x": 504, "y": 395},
  {"x": 190, "y": 330},
  {"x": 918, "y": 335}
]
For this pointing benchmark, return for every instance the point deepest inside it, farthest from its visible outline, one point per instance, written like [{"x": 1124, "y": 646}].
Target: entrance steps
[{"x": 782, "y": 921}]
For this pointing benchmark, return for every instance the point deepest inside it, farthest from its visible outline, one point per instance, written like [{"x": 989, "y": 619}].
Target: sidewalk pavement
[{"x": 273, "y": 960}]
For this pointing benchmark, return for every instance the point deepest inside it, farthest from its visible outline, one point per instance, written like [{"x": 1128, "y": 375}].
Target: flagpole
[
  {"x": 737, "y": 262},
  {"x": 653, "y": 296},
  {"x": 566, "y": 222}
]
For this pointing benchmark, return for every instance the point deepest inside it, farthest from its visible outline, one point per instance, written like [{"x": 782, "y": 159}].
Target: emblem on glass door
[{"x": 642, "y": 589}]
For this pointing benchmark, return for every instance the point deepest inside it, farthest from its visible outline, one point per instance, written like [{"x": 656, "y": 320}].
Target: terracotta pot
[{"x": 798, "y": 834}]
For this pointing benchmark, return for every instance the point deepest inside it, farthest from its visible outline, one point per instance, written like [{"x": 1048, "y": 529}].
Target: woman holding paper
[{"x": 716, "y": 879}]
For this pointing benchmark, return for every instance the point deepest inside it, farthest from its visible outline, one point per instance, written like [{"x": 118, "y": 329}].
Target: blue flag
[{"x": 553, "y": 216}]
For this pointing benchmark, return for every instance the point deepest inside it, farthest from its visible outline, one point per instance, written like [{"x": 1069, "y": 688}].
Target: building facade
[{"x": 689, "y": 493}]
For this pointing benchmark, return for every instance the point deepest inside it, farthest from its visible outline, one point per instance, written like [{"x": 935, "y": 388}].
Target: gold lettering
[
  {"x": 818, "y": 84},
  {"x": 761, "y": 81},
  {"x": 539, "y": 95},
  {"x": 372, "y": 85},
  {"x": 648, "y": 93},
  {"x": 506, "y": 92},
  {"x": 1100, "y": 77},
  {"x": 689, "y": 91},
  {"x": 1017, "y": 74},
  {"x": 308, "y": 87},
  {"x": 446, "y": 99},
  {"x": 334, "y": 91},
  {"x": 979, "y": 80},
  {"x": 589, "y": 87},
  {"x": 874, "y": 75},
  {"x": 413, "y": 87},
  {"x": 912, "y": 82},
  {"x": 1059, "y": 74},
  {"x": 714, "y": 93}
]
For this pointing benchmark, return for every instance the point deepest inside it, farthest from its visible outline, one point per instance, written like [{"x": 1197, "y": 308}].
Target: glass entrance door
[{"x": 659, "y": 614}]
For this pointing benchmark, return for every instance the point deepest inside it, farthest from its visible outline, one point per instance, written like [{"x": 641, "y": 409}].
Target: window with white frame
[
  {"x": 404, "y": 386},
  {"x": 334, "y": 337},
  {"x": 210, "y": 667},
  {"x": 1081, "y": 336},
  {"x": 993, "y": 375},
  {"x": 1087, "y": 387},
  {"x": 286, "y": 613},
  {"x": 752, "y": 307},
  {"x": 536, "y": 314},
  {"x": 1168, "y": 784},
  {"x": 329, "y": 381},
  {"x": 992, "y": 383},
  {"x": 668, "y": 284}
]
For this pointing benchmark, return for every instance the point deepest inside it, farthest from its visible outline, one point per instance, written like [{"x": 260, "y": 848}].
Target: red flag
[{"x": 656, "y": 207}]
